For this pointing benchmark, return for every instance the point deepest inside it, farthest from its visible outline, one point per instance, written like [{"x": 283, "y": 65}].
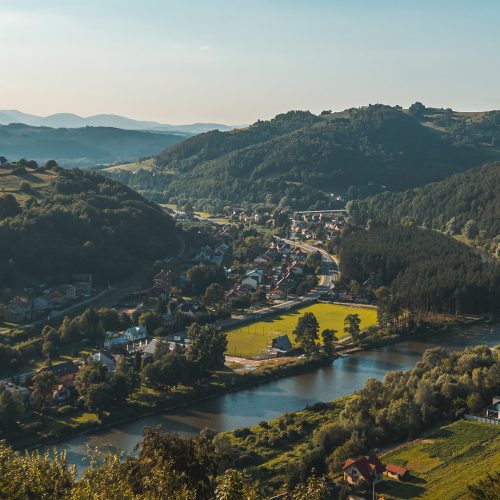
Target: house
[
  {"x": 396, "y": 472},
  {"x": 23, "y": 392},
  {"x": 493, "y": 411},
  {"x": 367, "y": 469},
  {"x": 190, "y": 308},
  {"x": 281, "y": 344},
  {"x": 106, "y": 358},
  {"x": 164, "y": 280},
  {"x": 256, "y": 274},
  {"x": 207, "y": 255},
  {"x": 18, "y": 310},
  {"x": 65, "y": 372},
  {"x": 221, "y": 249},
  {"x": 252, "y": 283},
  {"x": 42, "y": 303},
  {"x": 82, "y": 284},
  {"x": 135, "y": 333},
  {"x": 62, "y": 294}
]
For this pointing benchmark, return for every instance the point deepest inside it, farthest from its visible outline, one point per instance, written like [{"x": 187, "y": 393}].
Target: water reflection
[{"x": 248, "y": 407}]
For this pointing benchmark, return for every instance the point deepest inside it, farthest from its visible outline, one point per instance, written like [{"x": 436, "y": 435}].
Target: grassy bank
[
  {"x": 66, "y": 421},
  {"x": 249, "y": 340}
]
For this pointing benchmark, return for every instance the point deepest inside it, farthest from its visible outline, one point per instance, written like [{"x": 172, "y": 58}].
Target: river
[{"x": 268, "y": 401}]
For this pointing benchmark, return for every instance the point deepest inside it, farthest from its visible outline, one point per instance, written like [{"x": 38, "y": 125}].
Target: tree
[
  {"x": 315, "y": 488},
  {"x": 417, "y": 109},
  {"x": 94, "y": 387},
  {"x": 50, "y": 164},
  {"x": 206, "y": 347},
  {"x": 44, "y": 383},
  {"x": 198, "y": 277},
  {"x": 487, "y": 488},
  {"x": 3, "y": 161},
  {"x": 149, "y": 321},
  {"x": 49, "y": 350},
  {"x": 214, "y": 293},
  {"x": 470, "y": 230},
  {"x": 329, "y": 337},
  {"x": 189, "y": 210},
  {"x": 11, "y": 408},
  {"x": 233, "y": 485},
  {"x": 306, "y": 332},
  {"x": 351, "y": 326},
  {"x": 69, "y": 331}
]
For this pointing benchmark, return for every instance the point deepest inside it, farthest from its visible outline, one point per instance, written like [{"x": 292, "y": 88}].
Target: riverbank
[{"x": 66, "y": 422}]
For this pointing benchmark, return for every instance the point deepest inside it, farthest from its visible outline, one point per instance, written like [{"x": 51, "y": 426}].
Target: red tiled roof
[
  {"x": 395, "y": 469},
  {"x": 366, "y": 466}
]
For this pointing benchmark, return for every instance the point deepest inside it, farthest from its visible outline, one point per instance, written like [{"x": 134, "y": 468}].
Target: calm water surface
[{"x": 265, "y": 402}]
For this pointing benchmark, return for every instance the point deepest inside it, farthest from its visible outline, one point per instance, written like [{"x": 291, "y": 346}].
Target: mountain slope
[
  {"x": 70, "y": 120},
  {"x": 446, "y": 206},
  {"x": 81, "y": 146},
  {"x": 78, "y": 222},
  {"x": 302, "y": 157}
]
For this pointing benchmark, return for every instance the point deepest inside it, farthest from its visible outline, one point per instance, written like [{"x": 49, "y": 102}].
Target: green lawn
[
  {"x": 443, "y": 465},
  {"x": 251, "y": 339}
]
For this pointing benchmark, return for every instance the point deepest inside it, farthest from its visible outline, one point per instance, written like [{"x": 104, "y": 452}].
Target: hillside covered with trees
[
  {"x": 466, "y": 204},
  {"x": 425, "y": 269},
  {"x": 82, "y": 147},
  {"x": 81, "y": 222},
  {"x": 298, "y": 159}
]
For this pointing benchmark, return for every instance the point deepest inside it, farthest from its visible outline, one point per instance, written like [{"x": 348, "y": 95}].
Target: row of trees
[{"x": 307, "y": 336}]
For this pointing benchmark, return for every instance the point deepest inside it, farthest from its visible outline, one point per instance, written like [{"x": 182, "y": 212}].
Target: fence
[{"x": 484, "y": 420}]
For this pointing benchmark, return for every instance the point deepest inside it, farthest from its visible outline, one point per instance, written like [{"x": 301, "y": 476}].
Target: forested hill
[
  {"x": 466, "y": 204},
  {"x": 71, "y": 221},
  {"x": 426, "y": 269},
  {"x": 81, "y": 147},
  {"x": 299, "y": 158}
]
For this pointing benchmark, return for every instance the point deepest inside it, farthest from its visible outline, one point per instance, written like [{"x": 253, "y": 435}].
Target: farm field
[
  {"x": 132, "y": 167},
  {"x": 442, "y": 465},
  {"x": 249, "y": 340}
]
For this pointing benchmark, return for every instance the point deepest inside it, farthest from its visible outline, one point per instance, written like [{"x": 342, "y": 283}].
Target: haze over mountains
[
  {"x": 81, "y": 147},
  {"x": 70, "y": 120}
]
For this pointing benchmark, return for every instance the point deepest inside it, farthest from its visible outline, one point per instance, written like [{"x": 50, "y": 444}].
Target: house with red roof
[{"x": 368, "y": 469}]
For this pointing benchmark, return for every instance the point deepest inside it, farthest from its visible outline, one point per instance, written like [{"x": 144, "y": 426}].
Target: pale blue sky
[{"x": 235, "y": 61}]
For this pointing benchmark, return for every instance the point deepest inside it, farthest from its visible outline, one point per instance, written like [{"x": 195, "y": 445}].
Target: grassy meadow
[
  {"x": 37, "y": 181},
  {"x": 442, "y": 465},
  {"x": 249, "y": 340}
]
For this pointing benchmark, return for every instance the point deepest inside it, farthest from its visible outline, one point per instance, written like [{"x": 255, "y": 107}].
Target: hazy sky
[{"x": 236, "y": 61}]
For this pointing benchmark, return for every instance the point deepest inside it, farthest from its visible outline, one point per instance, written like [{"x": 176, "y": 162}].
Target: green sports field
[{"x": 251, "y": 339}]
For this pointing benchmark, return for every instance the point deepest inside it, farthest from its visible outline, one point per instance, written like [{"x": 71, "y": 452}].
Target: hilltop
[
  {"x": 82, "y": 147},
  {"x": 58, "y": 222},
  {"x": 300, "y": 159}
]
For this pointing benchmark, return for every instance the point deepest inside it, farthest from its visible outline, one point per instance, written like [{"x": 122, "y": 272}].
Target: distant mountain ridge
[{"x": 70, "y": 120}]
